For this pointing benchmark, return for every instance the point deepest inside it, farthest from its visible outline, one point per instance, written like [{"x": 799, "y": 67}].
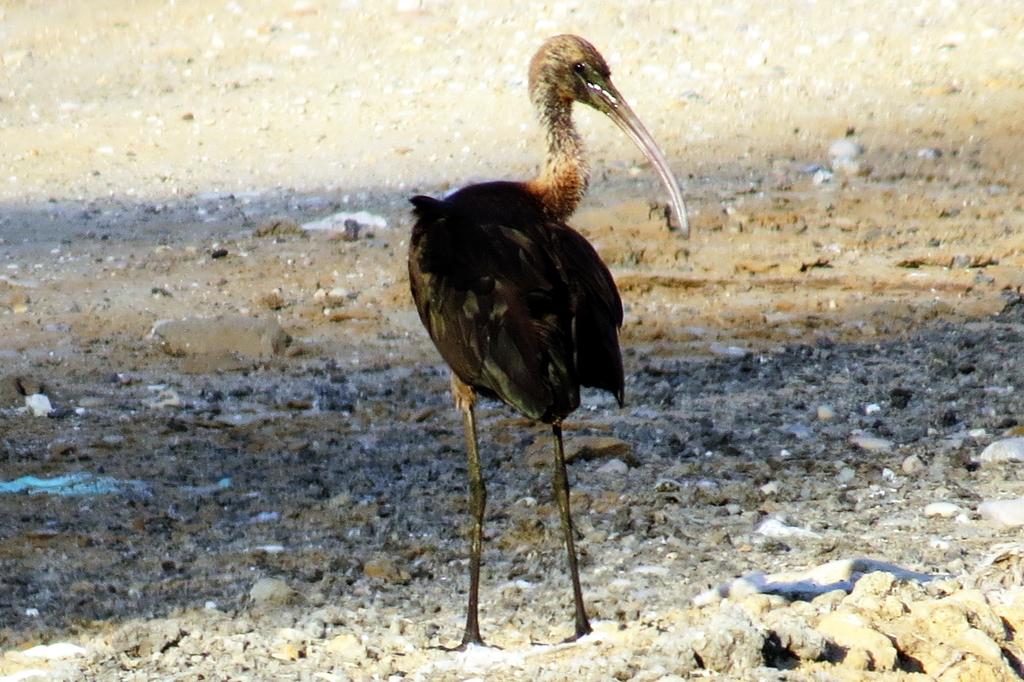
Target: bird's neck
[{"x": 563, "y": 180}]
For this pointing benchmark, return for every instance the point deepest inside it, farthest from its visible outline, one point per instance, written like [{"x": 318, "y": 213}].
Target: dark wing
[
  {"x": 493, "y": 297},
  {"x": 598, "y": 312}
]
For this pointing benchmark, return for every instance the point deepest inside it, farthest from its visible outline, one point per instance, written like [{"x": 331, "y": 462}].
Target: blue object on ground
[{"x": 68, "y": 484}]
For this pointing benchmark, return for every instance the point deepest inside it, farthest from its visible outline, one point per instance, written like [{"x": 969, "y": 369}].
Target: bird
[{"x": 520, "y": 305}]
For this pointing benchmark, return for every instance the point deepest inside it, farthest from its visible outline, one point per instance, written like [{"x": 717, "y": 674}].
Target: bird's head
[{"x": 569, "y": 69}]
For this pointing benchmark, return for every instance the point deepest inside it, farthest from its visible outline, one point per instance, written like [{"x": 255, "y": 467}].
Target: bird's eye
[{"x": 579, "y": 67}]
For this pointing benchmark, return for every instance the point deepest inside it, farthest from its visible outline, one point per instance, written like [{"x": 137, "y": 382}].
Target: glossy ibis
[{"x": 519, "y": 304}]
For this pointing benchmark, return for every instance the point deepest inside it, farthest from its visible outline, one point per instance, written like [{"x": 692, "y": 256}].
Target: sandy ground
[{"x": 831, "y": 351}]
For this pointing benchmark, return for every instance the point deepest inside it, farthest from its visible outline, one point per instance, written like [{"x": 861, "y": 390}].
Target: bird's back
[{"x": 519, "y": 306}]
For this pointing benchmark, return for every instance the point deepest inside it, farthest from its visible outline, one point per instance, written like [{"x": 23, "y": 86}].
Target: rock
[
  {"x": 873, "y": 584},
  {"x": 938, "y": 632},
  {"x": 850, "y": 167},
  {"x": 826, "y": 413},
  {"x": 845, "y": 147},
  {"x": 53, "y": 652},
  {"x": 1005, "y": 450},
  {"x": 613, "y": 467},
  {"x": 866, "y": 649},
  {"x": 846, "y": 475},
  {"x": 346, "y": 646},
  {"x": 38, "y": 404},
  {"x": 271, "y": 591},
  {"x": 287, "y": 651},
  {"x": 1007, "y": 513},
  {"x": 774, "y": 528},
  {"x": 726, "y": 351},
  {"x": 730, "y": 642},
  {"x": 822, "y": 176},
  {"x": 156, "y": 637},
  {"x": 929, "y": 153},
  {"x": 799, "y": 639},
  {"x": 599, "y": 447},
  {"x": 384, "y": 569},
  {"x": 912, "y": 465},
  {"x": 871, "y": 443},
  {"x": 252, "y": 337},
  {"x": 165, "y": 398},
  {"x": 943, "y": 510}
]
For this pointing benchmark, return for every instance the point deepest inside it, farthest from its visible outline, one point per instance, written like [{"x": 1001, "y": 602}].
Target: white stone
[
  {"x": 944, "y": 510},
  {"x": 39, "y": 404},
  {"x": 871, "y": 443},
  {"x": 912, "y": 464},
  {"x": 774, "y": 528},
  {"x": 1009, "y": 513},
  {"x": 55, "y": 651},
  {"x": 845, "y": 148},
  {"x": 1005, "y": 450},
  {"x": 613, "y": 466},
  {"x": 726, "y": 351},
  {"x": 270, "y": 591}
]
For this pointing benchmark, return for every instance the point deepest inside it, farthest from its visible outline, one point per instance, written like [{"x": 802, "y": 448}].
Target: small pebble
[
  {"x": 845, "y": 475},
  {"x": 826, "y": 413},
  {"x": 821, "y": 176},
  {"x": 346, "y": 646},
  {"x": 845, "y": 148},
  {"x": 929, "y": 153},
  {"x": 726, "y": 351},
  {"x": 943, "y": 510},
  {"x": 849, "y": 167},
  {"x": 773, "y": 528},
  {"x": 270, "y": 591},
  {"x": 871, "y": 443},
  {"x": 614, "y": 467},
  {"x": 384, "y": 569},
  {"x": 165, "y": 398},
  {"x": 912, "y": 464}
]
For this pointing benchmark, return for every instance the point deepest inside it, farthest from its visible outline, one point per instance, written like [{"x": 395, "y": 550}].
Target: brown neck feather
[{"x": 563, "y": 180}]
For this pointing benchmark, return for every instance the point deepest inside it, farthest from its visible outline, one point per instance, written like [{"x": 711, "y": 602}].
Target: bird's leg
[
  {"x": 561, "y": 485},
  {"x": 464, "y": 400}
]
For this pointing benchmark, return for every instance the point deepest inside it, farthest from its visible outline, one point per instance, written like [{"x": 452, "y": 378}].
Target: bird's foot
[
  {"x": 580, "y": 632},
  {"x": 467, "y": 640}
]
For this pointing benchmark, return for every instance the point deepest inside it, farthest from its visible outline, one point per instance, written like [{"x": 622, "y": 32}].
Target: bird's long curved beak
[{"x": 608, "y": 100}]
